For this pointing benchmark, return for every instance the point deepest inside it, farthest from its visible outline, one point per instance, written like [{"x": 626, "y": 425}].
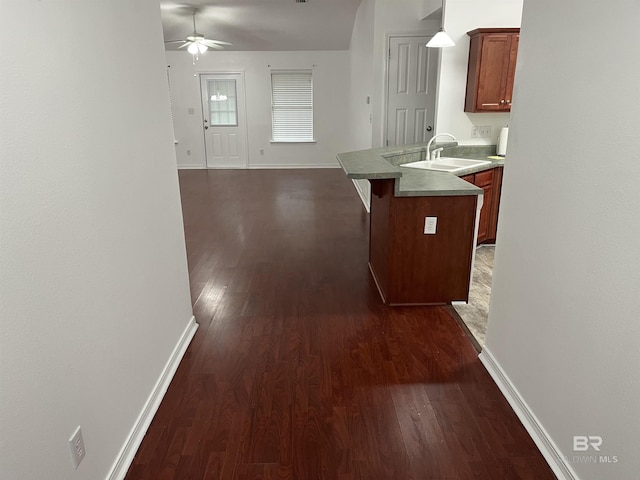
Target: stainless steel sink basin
[{"x": 446, "y": 164}]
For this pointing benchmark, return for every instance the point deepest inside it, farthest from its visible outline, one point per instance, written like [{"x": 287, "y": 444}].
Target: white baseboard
[
  {"x": 258, "y": 167},
  {"x": 134, "y": 439},
  {"x": 539, "y": 435},
  {"x": 276, "y": 166},
  {"x": 191, "y": 167}
]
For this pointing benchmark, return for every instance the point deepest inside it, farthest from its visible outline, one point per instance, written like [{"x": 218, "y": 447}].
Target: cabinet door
[
  {"x": 495, "y": 208},
  {"x": 469, "y": 178},
  {"x": 511, "y": 73},
  {"x": 494, "y": 70},
  {"x": 485, "y": 214},
  {"x": 492, "y": 61},
  {"x": 484, "y": 180}
]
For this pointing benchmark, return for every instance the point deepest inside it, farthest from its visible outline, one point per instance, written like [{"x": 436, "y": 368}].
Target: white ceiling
[{"x": 264, "y": 24}]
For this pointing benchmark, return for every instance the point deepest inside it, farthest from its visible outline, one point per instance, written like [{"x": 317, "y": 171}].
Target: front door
[
  {"x": 224, "y": 120},
  {"x": 411, "y": 98}
]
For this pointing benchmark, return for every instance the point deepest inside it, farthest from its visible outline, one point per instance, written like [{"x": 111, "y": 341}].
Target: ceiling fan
[{"x": 197, "y": 43}]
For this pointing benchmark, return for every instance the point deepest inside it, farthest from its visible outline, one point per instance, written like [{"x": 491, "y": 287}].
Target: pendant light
[{"x": 440, "y": 40}]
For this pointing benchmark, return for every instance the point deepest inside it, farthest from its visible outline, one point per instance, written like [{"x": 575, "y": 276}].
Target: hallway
[{"x": 298, "y": 371}]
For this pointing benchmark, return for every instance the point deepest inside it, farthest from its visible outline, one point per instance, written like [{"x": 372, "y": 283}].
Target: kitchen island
[{"x": 410, "y": 264}]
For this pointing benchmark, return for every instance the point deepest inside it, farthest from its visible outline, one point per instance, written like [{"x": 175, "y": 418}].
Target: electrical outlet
[
  {"x": 188, "y": 152},
  {"x": 484, "y": 132},
  {"x": 191, "y": 110},
  {"x": 475, "y": 133},
  {"x": 76, "y": 443},
  {"x": 430, "y": 225},
  {"x": 262, "y": 151}
]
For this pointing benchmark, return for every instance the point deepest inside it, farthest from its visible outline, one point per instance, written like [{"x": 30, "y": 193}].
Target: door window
[{"x": 223, "y": 103}]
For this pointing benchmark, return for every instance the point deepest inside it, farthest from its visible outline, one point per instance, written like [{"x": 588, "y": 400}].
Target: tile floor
[{"x": 476, "y": 312}]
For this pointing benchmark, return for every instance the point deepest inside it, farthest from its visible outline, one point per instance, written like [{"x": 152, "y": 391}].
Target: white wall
[
  {"x": 461, "y": 16},
  {"x": 564, "y": 314},
  {"x": 93, "y": 282},
  {"x": 361, "y": 112},
  {"x": 331, "y": 105},
  {"x": 430, "y": 7},
  {"x": 361, "y": 59}
]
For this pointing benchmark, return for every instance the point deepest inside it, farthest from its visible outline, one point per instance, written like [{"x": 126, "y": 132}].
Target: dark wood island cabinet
[
  {"x": 423, "y": 223},
  {"x": 414, "y": 268}
]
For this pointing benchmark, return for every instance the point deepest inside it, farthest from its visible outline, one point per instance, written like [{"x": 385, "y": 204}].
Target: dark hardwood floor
[{"x": 298, "y": 371}]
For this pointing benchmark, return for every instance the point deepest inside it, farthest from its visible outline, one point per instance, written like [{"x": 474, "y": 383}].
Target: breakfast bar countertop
[{"x": 386, "y": 163}]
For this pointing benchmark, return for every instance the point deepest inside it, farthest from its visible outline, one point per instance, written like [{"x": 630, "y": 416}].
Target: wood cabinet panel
[
  {"x": 495, "y": 209},
  {"x": 484, "y": 178},
  {"x": 410, "y": 267},
  {"x": 485, "y": 213},
  {"x": 491, "y": 183},
  {"x": 469, "y": 178},
  {"x": 511, "y": 71},
  {"x": 491, "y": 70}
]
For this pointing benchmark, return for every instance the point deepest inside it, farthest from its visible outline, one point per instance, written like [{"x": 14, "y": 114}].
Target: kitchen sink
[{"x": 446, "y": 164}]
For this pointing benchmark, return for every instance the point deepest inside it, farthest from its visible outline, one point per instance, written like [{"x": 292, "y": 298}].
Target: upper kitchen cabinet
[{"x": 492, "y": 66}]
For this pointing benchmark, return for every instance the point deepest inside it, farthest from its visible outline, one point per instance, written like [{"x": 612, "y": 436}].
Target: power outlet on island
[{"x": 430, "y": 225}]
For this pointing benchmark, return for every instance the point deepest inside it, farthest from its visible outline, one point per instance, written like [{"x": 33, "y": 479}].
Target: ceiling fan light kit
[{"x": 196, "y": 48}]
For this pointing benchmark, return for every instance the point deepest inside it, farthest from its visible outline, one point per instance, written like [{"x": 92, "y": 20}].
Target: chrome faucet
[{"x": 436, "y": 153}]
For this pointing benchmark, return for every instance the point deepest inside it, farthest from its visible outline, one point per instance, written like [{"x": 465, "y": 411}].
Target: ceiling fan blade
[
  {"x": 174, "y": 41},
  {"x": 211, "y": 44},
  {"x": 219, "y": 42},
  {"x": 185, "y": 45}
]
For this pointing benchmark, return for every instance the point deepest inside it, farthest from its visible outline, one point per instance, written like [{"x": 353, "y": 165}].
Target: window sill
[{"x": 291, "y": 141}]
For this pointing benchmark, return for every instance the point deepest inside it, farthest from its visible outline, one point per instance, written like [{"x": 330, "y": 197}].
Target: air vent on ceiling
[{"x": 301, "y": 1}]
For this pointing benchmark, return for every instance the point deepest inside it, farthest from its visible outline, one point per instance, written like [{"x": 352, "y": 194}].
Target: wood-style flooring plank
[{"x": 298, "y": 370}]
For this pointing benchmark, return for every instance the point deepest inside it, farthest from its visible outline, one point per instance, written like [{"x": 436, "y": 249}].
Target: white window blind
[{"x": 292, "y": 106}]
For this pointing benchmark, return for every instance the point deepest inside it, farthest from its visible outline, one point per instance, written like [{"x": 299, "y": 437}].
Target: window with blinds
[{"x": 292, "y": 106}]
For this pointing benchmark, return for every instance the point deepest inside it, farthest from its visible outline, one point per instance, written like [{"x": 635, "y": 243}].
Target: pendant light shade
[{"x": 440, "y": 40}]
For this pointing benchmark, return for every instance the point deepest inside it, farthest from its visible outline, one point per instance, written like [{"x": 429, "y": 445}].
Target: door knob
[
  {"x": 206, "y": 128},
  {"x": 429, "y": 128}
]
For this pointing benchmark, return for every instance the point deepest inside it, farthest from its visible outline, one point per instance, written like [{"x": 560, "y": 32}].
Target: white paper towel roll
[{"x": 502, "y": 141}]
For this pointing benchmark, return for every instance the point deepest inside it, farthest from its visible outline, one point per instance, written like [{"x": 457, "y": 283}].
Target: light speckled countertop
[{"x": 386, "y": 163}]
